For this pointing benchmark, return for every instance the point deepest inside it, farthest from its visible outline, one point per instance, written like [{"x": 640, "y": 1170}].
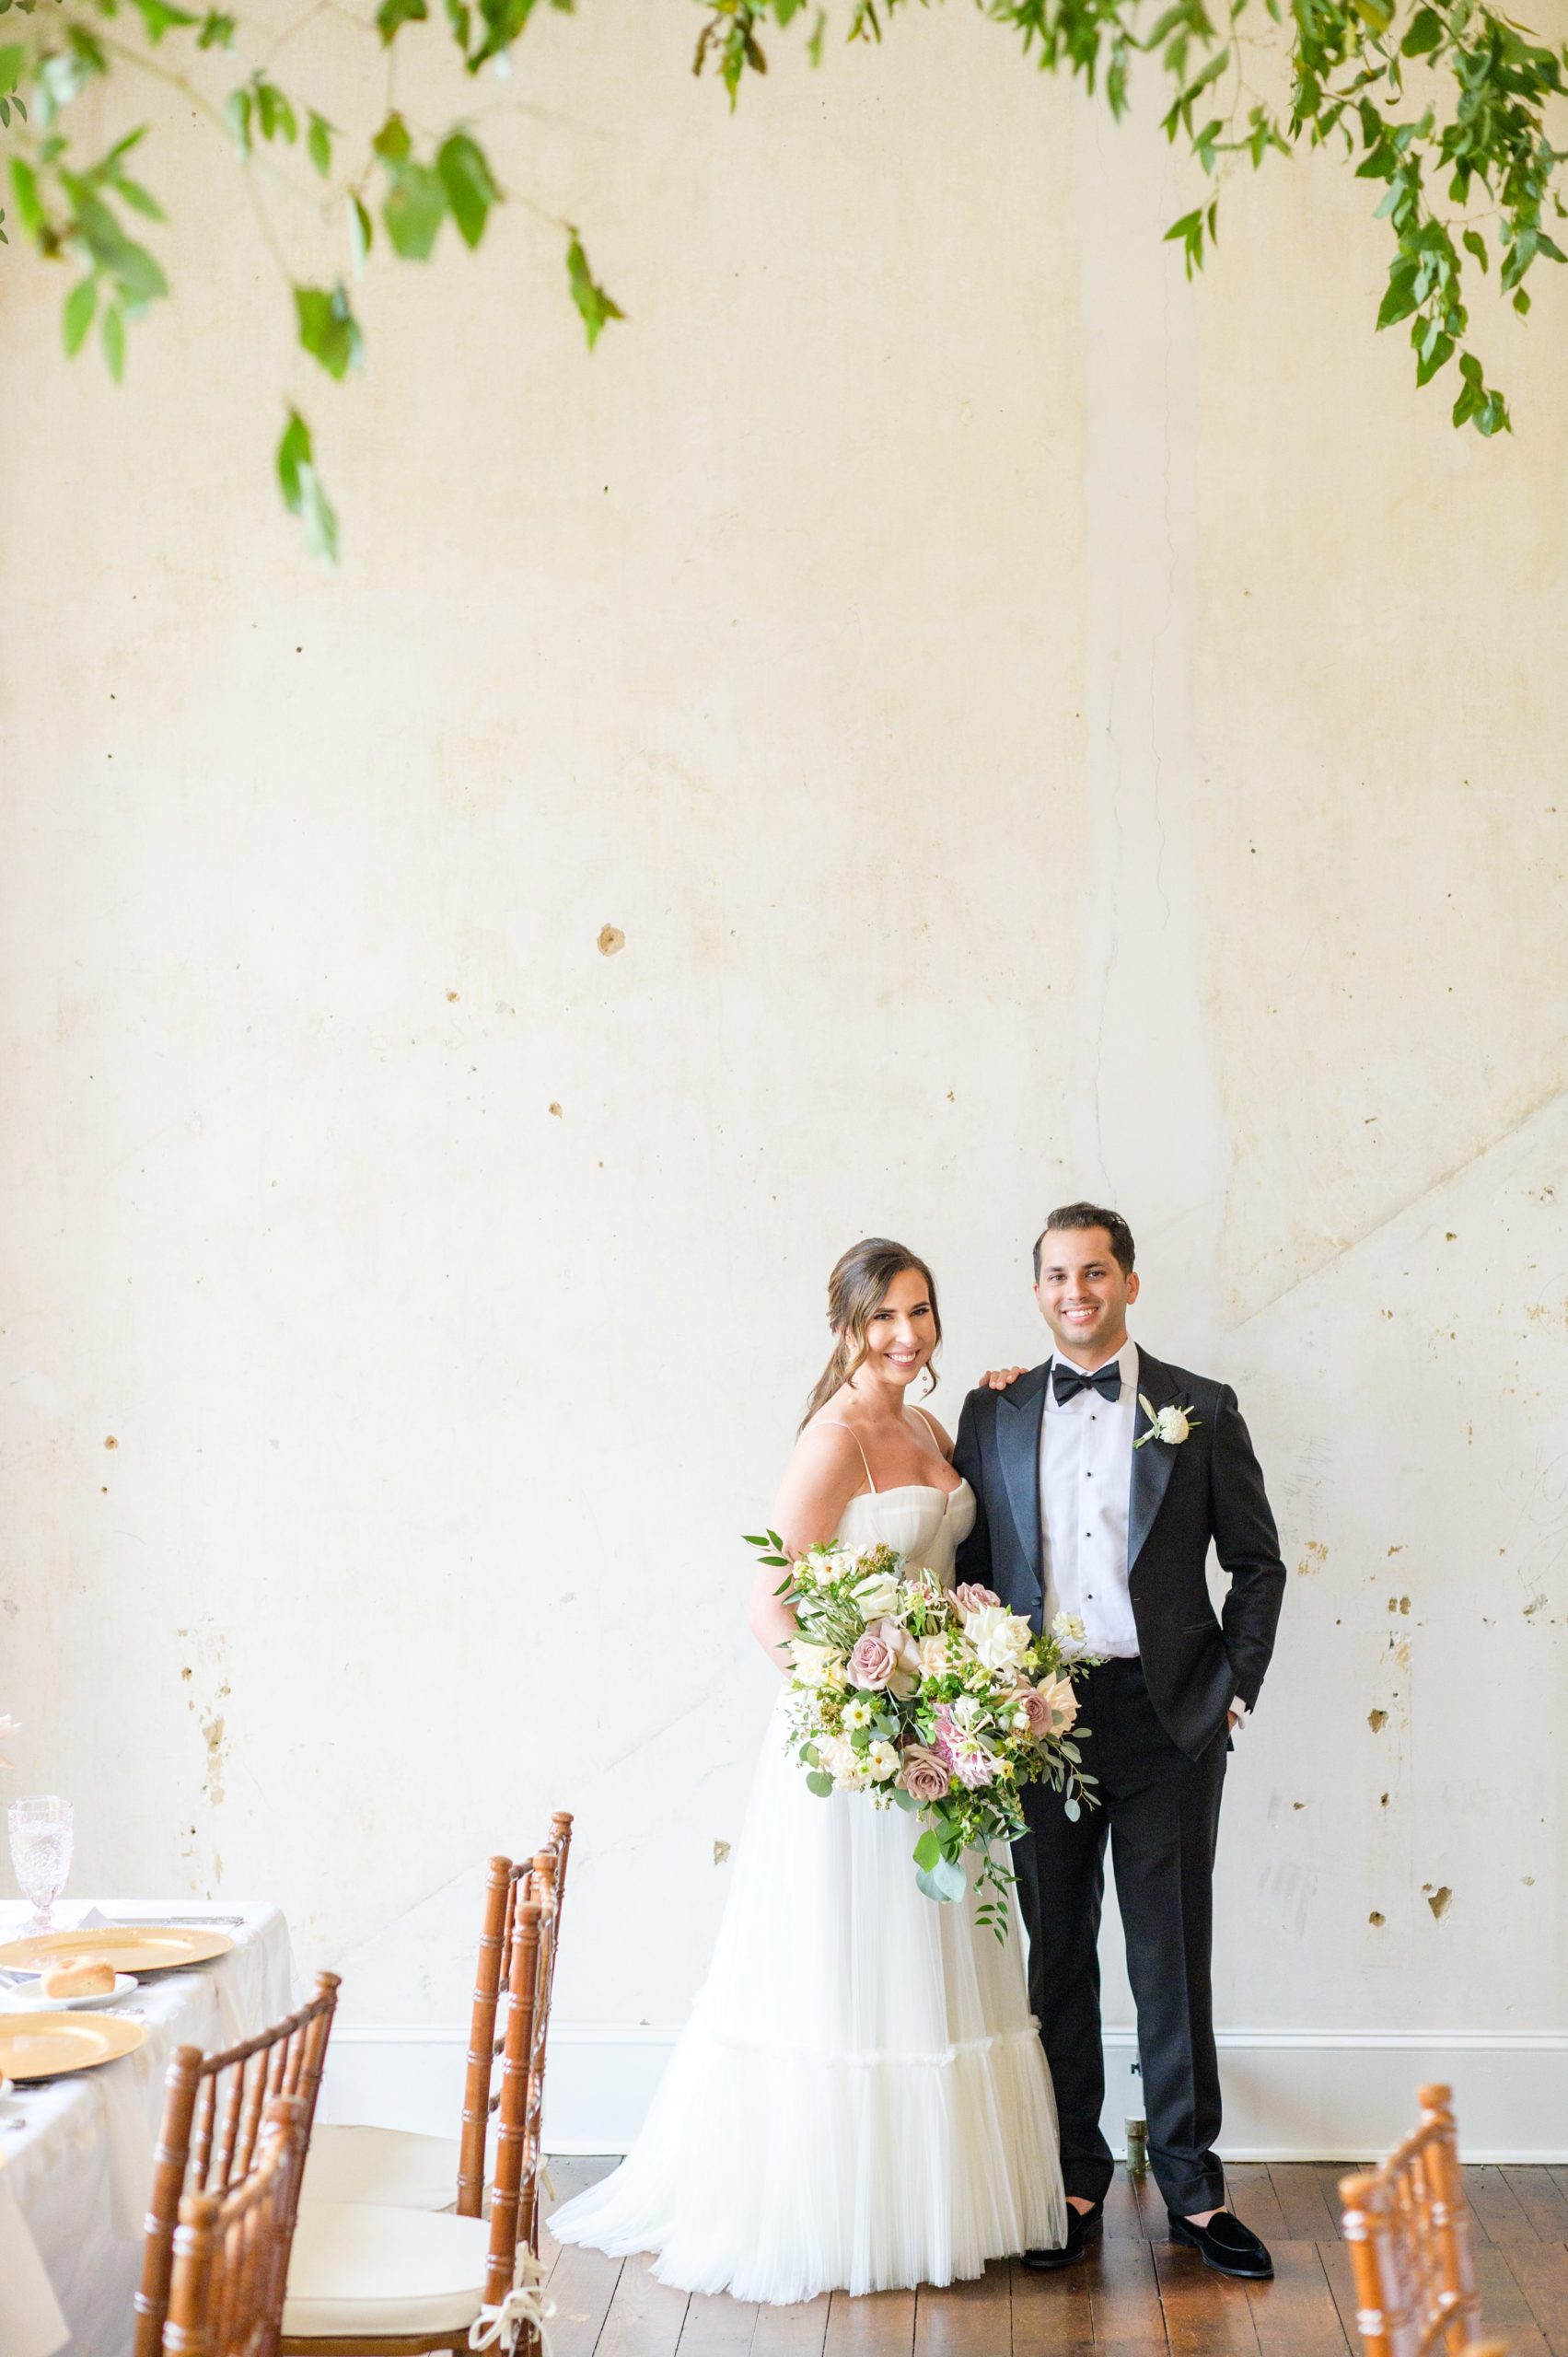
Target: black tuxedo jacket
[{"x": 1208, "y": 1487}]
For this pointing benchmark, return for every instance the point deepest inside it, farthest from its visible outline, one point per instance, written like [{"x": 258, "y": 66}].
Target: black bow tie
[{"x": 1066, "y": 1382}]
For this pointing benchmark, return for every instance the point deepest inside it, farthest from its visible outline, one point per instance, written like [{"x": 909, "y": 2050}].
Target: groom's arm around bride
[{"x": 1102, "y": 1476}]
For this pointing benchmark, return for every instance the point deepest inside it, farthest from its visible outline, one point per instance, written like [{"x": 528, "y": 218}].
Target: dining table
[{"x": 77, "y": 2149}]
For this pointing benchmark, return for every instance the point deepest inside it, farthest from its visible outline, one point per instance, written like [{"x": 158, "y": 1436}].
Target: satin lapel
[
  {"x": 1019, "y": 1413},
  {"x": 1151, "y": 1463}
]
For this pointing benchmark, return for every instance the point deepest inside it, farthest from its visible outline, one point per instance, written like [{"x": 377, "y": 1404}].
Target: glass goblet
[{"x": 41, "y": 1853}]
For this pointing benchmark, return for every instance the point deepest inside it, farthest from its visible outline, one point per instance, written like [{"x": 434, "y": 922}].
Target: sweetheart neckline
[{"x": 901, "y": 1489}]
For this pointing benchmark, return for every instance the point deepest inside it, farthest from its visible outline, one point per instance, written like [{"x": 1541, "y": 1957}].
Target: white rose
[
  {"x": 1000, "y": 1638},
  {"x": 934, "y": 1657},
  {"x": 815, "y": 1664},
  {"x": 882, "y": 1759},
  {"x": 1068, "y": 1629},
  {"x": 1171, "y": 1425},
  {"x": 876, "y": 1594}
]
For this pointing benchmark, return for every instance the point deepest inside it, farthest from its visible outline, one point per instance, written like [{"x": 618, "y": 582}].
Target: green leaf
[
  {"x": 139, "y": 199},
  {"x": 927, "y": 1850},
  {"x": 301, "y": 487},
  {"x": 319, "y": 144},
  {"x": 217, "y": 30},
  {"x": 1471, "y": 370},
  {"x": 359, "y": 235},
  {"x": 590, "y": 298},
  {"x": 1401, "y": 299},
  {"x": 1521, "y": 301},
  {"x": 392, "y": 14},
  {"x": 470, "y": 191},
  {"x": 13, "y": 57},
  {"x": 113, "y": 329},
  {"x": 415, "y": 207},
  {"x": 944, "y": 1881},
  {"x": 24, "y": 181},
  {"x": 1433, "y": 359},
  {"x": 814, "y": 45},
  {"x": 237, "y": 114},
  {"x": 819, "y": 1783},
  {"x": 1425, "y": 32},
  {"x": 274, "y": 115},
  {"x": 1474, "y": 243},
  {"x": 904, "y": 1800},
  {"x": 393, "y": 142},
  {"x": 1071, "y": 1810},
  {"x": 328, "y": 329},
  {"x": 138, "y": 277},
  {"x": 157, "y": 16},
  {"x": 80, "y": 305}
]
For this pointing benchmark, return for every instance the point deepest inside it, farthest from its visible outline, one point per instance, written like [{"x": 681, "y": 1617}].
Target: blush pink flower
[
  {"x": 973, "y": 1598},
  {"x": 872, "y": 1663},
  {"x": 967, "y": 1758},
  {"x": 923, "y": 1776}
]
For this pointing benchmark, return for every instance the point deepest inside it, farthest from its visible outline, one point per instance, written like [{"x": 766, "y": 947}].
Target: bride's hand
[{"x": 998, "y": 1378}]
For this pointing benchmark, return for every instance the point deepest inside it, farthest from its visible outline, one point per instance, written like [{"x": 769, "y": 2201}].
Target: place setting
[{"x": 64, "y": 1990}]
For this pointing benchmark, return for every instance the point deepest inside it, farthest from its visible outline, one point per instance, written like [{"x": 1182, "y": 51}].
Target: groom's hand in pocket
[{"x": 998, "y": 1378}]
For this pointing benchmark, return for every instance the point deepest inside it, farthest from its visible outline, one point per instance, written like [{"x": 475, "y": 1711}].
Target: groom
[{"x": 1090, "y": 1506}]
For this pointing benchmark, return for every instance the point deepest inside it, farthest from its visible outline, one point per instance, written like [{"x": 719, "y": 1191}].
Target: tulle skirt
[{"x": 860, "y": 2100}]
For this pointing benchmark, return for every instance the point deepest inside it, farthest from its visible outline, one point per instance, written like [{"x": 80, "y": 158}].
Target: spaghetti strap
[
  {"x": 931, "y": 1430},
  {"x": 840, "y": 1427}
]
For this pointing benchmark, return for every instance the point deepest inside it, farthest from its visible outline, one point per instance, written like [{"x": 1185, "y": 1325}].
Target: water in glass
[{"x": 41, "y": 1851}]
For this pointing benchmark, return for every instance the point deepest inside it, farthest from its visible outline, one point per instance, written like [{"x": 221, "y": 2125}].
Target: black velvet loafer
[
  {"x": 1225, "y": 2245},
  {"x": 1084, "y": 2227}
]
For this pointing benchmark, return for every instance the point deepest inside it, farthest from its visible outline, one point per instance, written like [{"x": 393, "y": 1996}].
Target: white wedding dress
[{"x": 859, "y": 2100}]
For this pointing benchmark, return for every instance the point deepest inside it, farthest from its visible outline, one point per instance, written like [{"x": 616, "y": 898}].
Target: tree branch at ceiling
[{"x": 1446, "y": 107}]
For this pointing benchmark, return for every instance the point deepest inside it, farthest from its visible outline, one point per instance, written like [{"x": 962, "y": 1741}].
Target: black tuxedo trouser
[{"x": 1160, "y": 1812}]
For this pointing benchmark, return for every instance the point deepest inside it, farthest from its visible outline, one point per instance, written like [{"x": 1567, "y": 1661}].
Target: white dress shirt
[
  {"x": 1086, "y": 1486},
  {"x": 1085, "y": 1481}
]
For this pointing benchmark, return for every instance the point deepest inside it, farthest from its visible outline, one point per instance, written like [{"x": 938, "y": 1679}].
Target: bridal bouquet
[{"x": 936, "y": 1701}]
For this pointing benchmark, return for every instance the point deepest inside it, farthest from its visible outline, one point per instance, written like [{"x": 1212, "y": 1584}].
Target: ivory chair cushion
[
  {"x": 356, "y": 2270},
  {"x": 390, "y": 2166}
]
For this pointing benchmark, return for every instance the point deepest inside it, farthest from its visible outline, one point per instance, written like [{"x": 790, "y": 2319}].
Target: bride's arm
[{"x": 819, "y": 1481}]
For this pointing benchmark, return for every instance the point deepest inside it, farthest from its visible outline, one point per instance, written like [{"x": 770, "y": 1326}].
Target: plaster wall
[{"x": 1041, "y": 729}]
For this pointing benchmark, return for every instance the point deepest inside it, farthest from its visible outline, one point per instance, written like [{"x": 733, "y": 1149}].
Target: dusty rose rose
[
  {"x": 973, "y": 1598},
  {"x": 923, "y": 1775},
  {"x": 1034, "y": 1711},
  {"x": 872, "y": 1663},
  {"x": 905, "y": 1650}
]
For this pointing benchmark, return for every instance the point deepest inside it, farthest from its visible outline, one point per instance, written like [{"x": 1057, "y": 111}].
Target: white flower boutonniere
[{"x": 1170, "y": 1425}]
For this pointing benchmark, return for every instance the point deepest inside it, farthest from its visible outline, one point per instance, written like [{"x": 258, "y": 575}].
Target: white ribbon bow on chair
[{"x": 524, "y": 2303}]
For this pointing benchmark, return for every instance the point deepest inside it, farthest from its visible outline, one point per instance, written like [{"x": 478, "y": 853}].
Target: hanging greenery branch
[
  {"x": 1470, "y": 173},
  {"x": 74, "y": 212},
  {"x": 1472, "y": 156}
]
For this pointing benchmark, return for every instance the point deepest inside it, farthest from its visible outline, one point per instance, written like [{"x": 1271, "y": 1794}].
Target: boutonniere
[{"x": 1170, "y": 1424}]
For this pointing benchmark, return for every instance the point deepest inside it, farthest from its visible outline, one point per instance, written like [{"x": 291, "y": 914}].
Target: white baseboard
[{"x": 1291, "y": 2094}]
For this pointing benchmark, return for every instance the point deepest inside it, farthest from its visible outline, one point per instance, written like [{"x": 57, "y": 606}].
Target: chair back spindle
[
  {"x": 1408, "y": 2229},
  {"x": 494, "y": 1940},
  {"x": 214, "y": 2109},
  {"x": 230, "y": 2262}
]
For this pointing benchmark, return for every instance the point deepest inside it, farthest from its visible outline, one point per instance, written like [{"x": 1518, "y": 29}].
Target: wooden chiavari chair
[
  {"x": 1407, "y": 2228},
  {"x": 404, "y": 2169},
  {"x": 213, "y": 2106},
  {"x": 370, "y": 2281},
  {"x": 231, "y": 2248}
]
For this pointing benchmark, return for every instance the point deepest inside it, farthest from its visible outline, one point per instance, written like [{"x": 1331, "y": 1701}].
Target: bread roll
[{"x": 77, "y": 1976}]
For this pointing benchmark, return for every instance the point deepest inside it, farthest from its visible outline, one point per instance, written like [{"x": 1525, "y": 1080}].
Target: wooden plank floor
[{"x": 1138, "y": 2296}]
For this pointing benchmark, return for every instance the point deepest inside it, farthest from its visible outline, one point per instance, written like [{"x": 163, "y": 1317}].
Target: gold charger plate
[
  {"x": 35, "y": 2046},
  {"x": 129, "y": 1947}
]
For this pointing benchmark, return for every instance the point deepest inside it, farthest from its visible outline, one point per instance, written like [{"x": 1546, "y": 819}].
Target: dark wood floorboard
[{"x": 1136, "y": 2294}]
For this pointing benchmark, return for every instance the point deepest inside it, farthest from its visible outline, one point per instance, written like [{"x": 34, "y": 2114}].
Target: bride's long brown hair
[{"x": 856, "y": 1291}]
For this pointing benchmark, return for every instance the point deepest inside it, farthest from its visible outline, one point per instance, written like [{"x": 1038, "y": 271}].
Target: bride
[{"x": 860, "y": 2100}]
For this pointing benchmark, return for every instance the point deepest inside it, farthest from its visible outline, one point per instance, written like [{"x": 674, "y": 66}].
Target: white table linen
[{"x": 75, "y": 2175}]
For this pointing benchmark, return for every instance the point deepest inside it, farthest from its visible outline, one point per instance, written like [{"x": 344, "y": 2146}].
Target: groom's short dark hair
[{"x": 1081, "y": 1216}]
